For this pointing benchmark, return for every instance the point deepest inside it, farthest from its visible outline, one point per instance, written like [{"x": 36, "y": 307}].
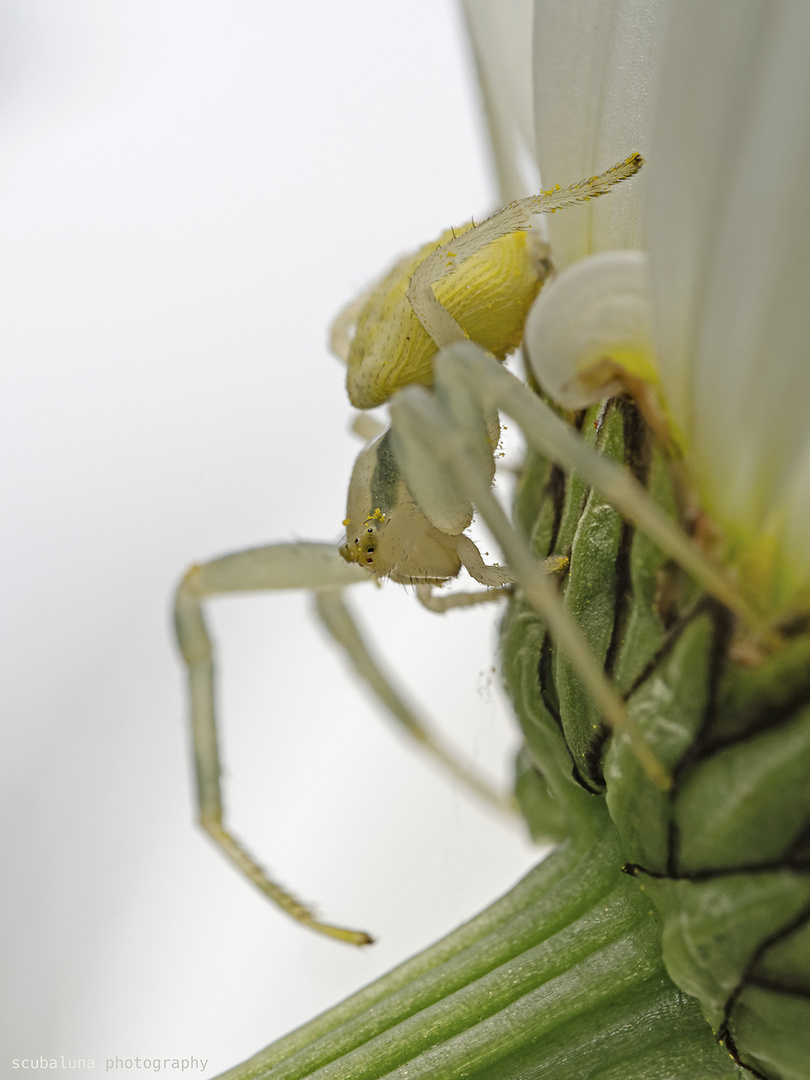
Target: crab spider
[{"x": 412, "y": 491}]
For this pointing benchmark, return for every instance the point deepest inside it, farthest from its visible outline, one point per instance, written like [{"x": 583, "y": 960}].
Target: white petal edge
[
  {"x": 592, "y": 319},
  {"x": 501, "y": 36}
]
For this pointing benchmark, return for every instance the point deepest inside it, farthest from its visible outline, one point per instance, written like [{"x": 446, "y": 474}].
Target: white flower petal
[
  {"x": 588, "y": 323},
  {"x": 596, "y": 62},
  {"x": 502, "y": 38},
  {"x": 729, "y": 236}
]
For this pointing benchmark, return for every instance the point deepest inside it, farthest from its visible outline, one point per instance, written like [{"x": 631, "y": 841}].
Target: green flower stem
[{"x": 561, "y": 977}]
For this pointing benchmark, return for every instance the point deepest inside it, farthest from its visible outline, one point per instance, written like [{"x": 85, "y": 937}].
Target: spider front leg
[
  {"x": 317, "y": 568},
  {"x": 436, "y": 427},
  {"x": 282, "y": 566},
  {"x": 469, "y": 370},
  {"x": 514, "y": 218},
  {"x": 486, "y": 277},
  {"x": 337, "y": 619}
]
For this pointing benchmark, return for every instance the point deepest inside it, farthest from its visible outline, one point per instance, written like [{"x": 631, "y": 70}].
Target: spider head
[
  {"x": 361, "y": 545},
  {"x": 386, "y": 532}
]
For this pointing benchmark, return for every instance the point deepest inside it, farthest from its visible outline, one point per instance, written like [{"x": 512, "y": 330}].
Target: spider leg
[
  {"x": 441, "y": 431},
  {"x": 498, "y": 579},
  {"x": 545, "y": 432},
  {"x": 422, "y": 419},
  {"x": 338, "y": 620},
  {"x": 311, "y": 566},
  {"x": 441, "y": 602},
  {"x": 319, "y": 569},
  {"x": 515, "y": 217}
]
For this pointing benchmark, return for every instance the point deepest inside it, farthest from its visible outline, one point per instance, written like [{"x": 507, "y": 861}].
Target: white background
[{"x": 190, "y": 191}]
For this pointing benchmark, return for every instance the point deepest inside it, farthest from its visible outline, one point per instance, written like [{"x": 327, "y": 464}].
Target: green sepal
[
  {"x": 714, "y": 929},
  {"x": 525, "y": 651},
  {"x": 724, "y": 854},
  {"x": 534, "y": 510},
  {"x": 756, "y": 695},
  {"x": 590, "y": 597},
  {"x": 657, "y": 588},
  {"x": 747, "y": 804},
  {"x": 669, "y": 707},
  {"x": 545, "y": 816},
  {"x": 787, "y": 960},
  {"x": 775, "y": 1030}
]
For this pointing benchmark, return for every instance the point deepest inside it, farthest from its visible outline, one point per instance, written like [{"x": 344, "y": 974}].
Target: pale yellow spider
[{"x": 412, "y": 491}]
